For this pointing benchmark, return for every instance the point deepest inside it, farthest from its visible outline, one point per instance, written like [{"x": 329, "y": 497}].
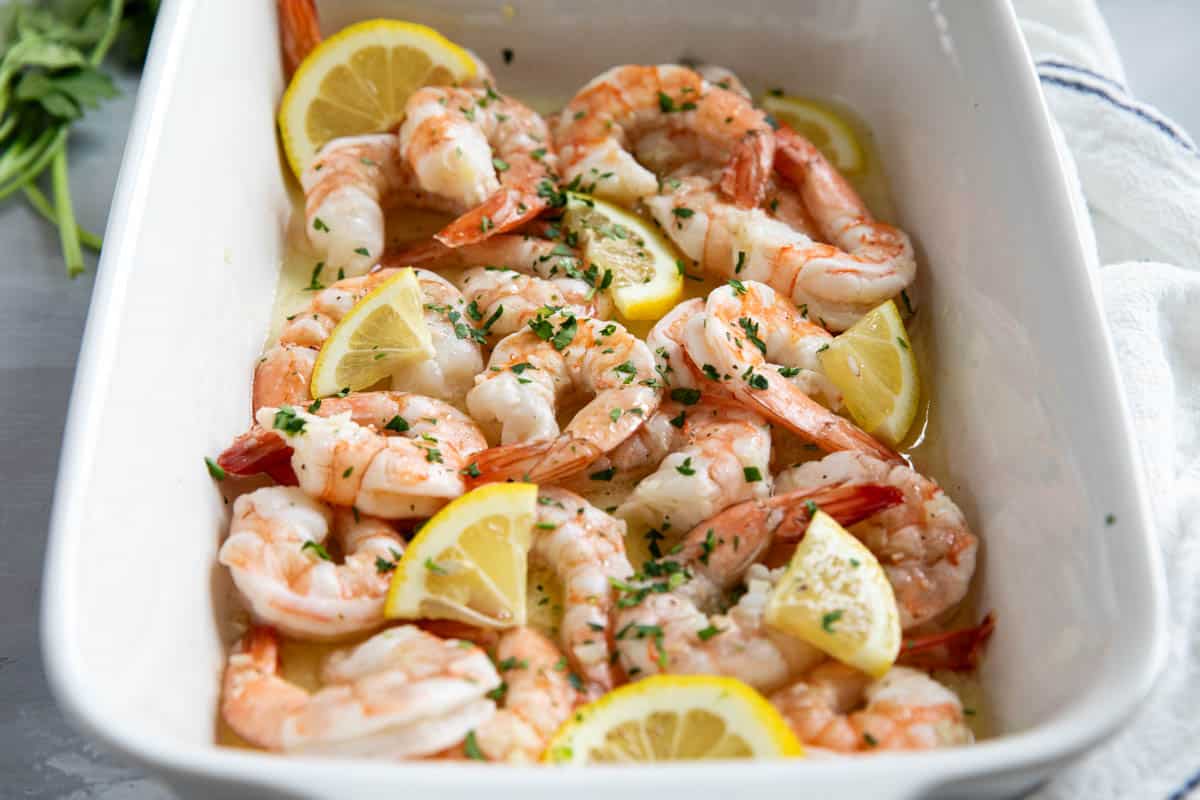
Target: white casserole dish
[{"x": 1038, "y": 448}]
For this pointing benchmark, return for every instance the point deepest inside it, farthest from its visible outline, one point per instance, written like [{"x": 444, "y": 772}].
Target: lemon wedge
[
  {"x": 382, "y": 332},
  {"x": 835, "y": 596},
  {"x": 468, "y": 563},
  {"x": 359, "y": 80},
  {"x": 872, "y": 364},
  {"x": 674, "y": 718},
  {"x": 646, "y": 279},
  {"x": 822, "y": 126}
]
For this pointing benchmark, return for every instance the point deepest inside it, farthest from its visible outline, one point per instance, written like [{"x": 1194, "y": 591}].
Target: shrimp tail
[
  {"x": 299, "y": 32},
  {"x": 848, "y": 504},
  {"x": 503, "y": 211},
  {"x": 537, "y": 462},
  {"x": 256, "y": 451},
  {"x": 959, "y": 649},
  {"x": 412, "y": 254},
  {"x": 746, "y": 175},
  {"x": 798, "y": 412}
]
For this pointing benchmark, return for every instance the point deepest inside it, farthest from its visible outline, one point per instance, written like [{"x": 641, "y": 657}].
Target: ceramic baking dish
[{"x": 1037, "y": 444}]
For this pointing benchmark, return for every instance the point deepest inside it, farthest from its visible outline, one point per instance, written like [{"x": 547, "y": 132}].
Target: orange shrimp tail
[
  {"x": 749, "y": 169},
  {"x": 536, "y": 462},
  {"x": 848, "y": 504},
  {"x": 262, "y": 644},
  {"x": 822, "y": 187},
  {"x": 410, "y": 255},
  {"x": 259, "y": 451},
  {"x": 503, "y": 211},
  {"x": 299, "y": 32},
  {"x": 960, "y": 650},
  {"x": 810, "y": 420}
]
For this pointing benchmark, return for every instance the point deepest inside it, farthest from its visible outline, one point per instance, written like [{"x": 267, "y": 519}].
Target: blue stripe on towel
[
  {"x": 1186, "y": 789},
  {"x": 1146, "y": 116},
  {"x": 1051, "y": 62}
]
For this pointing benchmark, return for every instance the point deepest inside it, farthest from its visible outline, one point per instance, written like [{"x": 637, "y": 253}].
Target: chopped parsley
[
  {"x": 314, "y": 281},
  {"x": 286, "y": 420},
  {"x": 500, "y": 164},
  {"x": 751, "y": 329},
  {"x": 710, "y": 372},
  {"x": 214, "y": 469},
  {"x": 707, "y": 633},
  {"x": 679, "y": 420},
  {"x": 789, "y": 372},
  {"x": 686, "y": 467},
  {"x": 398, "y": 424},
  {"x": 604, "y": 474},
  {"x": 688, "y": 397},
  {"x": 751, "y": 474},
  {"x": 435, "y": 568},
  {"x": 319, "y": 225},
  {"x": 828, "y": 620},
  {"x": 317, "y": 548},
  {"x": 741, "y": 262},
  {"x": 471, "y": 748},
  {"x": 472, "y": 470},
  {"x": 682, "y": 212},
  {"x": 739, "y": 288}
]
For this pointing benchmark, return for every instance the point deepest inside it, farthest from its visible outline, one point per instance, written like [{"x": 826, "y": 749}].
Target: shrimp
[
  {"x": 265, "y": 450},
  {"x": 529, "y": 371},
  {"x": 409, "y": 476},
  {"x": 585, "y": 548},
  {"x": 403, "y": 693},
  {"x": 283, "y": 374},
  {"x": 276, "y": 554},
  {"x": 537, "y": 698},
  {"x": 507, "y": 300},
  {"x": 719, "y": 457},
  {"x": 613, "y": 110},
  {"x": 530, "y": 255},
  {"x": 479, "y": 149},
  {"x": 725, "y": 349},
  {"x": 834, "y": 286},
  {"x": 299, "y": 33},
  {"x": 665, "y": 626},
  {"x": 839, "y": 708},
  {"x": 924, "y": 544},
  {"x": 346, "y": 189}
]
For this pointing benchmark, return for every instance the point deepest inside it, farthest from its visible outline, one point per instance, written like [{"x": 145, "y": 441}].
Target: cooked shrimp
[
  {"x": 481, "y": 150},
  {"x": 282, "y": 376},
  {"x": 508, "y": 300},
  {"x": 586, "y": 549},
  {"x": 403, "y": 693},
  {"x": 598, "y": 126},
  {"x": 723, "y": 345},
  {"x": 532, "y": 255},
  {"x": 666, "y": 627},
  {"x": 528, "y": 373},
  {"x": 395, "y": 477},
  {"x": 277, "y": 556},
  {"x": 924, "y": 544},
  {"x": 537, "y": 698},
  {"x": 346, "y": 189},
  {"x": 719, "y": 457},
  {"x": 299, "y": 33},
  {"x": 832, "y": 286},
  {"x": 401, "y": 413},
  {"x": 839, "y": 708}
]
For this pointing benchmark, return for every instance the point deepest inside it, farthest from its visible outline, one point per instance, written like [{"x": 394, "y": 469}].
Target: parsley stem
[
  {"x": 43, "y": 207},
  {"x": 68, "y": 234}
]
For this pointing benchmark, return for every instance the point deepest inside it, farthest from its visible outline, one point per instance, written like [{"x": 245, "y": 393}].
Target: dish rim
[{"x": 1063, "y": 737}]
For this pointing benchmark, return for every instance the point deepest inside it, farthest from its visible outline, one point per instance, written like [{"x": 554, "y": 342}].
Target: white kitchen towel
[{"x": 1140, "y": 178}]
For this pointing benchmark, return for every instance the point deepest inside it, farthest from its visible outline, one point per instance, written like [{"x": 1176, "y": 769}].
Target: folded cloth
[{"x": 1139, "y": 175}]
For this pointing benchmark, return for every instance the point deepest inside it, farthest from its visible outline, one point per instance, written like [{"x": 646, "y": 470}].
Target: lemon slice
[
  {"x": 822, "y": 126},
  {"x": 674, "y": 718},
  {"x": 468, "y": 563},
  {"x": 359, "y": 80},
  {"x": 646, "y": 281},
  {"x": 382, "y": 332},
  {"x": 873, "y": 366},
  {"x": 835, "y": 596}
]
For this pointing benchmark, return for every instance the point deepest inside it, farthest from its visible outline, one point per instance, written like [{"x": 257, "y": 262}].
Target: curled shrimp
[
  {"x": 867, "y": 263},
  {"x": 725, "y": 349},
  {"x": 596, "y": 128},
  {"x": 531, "y": 255},
  {"x": 537, "y": 698},
  {"x": 408, "y": 476},
  {"x": 585, "y": 548},
  {"x": 923, "y": 544},
  {"x": 299, "y": 33},
  {"x": 403, "y": 693},
  {"x": 283, "y": 374},
  {"x": 479, "y": 149},
  {"x": 665, "y": 623},
  {"x": 346, "y": 189},
  {"x": 718, "y": 456},
  {"x": 508, "y": 299},
  {"x": 277, "y": 556},
  {"x": 529, "y": 371},
  {"x": 841, "y": 709}
]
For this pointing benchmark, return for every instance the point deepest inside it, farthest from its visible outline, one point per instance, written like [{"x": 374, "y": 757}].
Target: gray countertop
[{"x": 41, "y": 319}]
